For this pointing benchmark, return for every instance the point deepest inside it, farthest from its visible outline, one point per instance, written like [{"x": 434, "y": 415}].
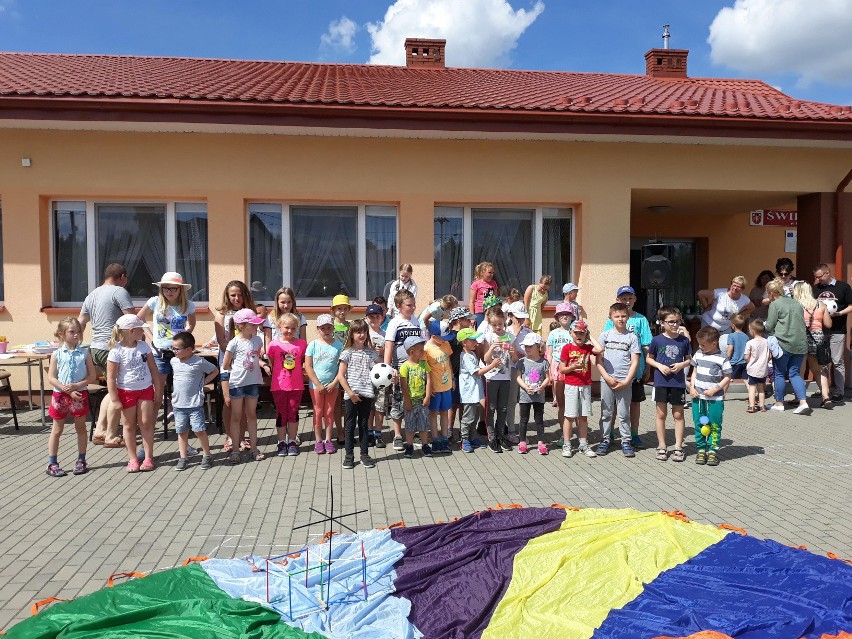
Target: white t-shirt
[
  {"x": 723, "y": 309},
  {"x": 245, "y": 362},
  {"x": 167, "y": 325},
  {"x": 397, "y": 331},
  {"x": 133, "y": 371},
  {"x": 503, "y": 371}
]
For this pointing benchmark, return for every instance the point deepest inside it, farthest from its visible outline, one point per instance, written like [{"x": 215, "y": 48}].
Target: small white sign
[{"x": 790, "y": 241}]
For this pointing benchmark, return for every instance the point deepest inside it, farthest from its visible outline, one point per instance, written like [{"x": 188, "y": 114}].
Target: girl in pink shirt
[
  {"x": 286, "y": 356},
  {"x": 483, "y": 285}
]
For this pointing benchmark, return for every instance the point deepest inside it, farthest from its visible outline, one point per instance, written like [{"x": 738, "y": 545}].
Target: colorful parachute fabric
[{"x": 517, "y": 572}]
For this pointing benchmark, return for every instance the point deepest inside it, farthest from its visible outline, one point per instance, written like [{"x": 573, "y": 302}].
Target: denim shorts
[
  {"x": 186, "y": 418},
  {"x": 162, "y": 362},
  {"x": 441, "y": 401},
  {"x": 249, "y": 390}
]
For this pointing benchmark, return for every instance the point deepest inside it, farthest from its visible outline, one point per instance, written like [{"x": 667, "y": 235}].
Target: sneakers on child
[
  {"x": 466, "y": 446},
  {"x": 567, "y": 451},
  {"x": 206, "y": 462},
  {"x": 522, "y": 448},
  {"x": 282, "y": 449},
  {"x": 476, "y": 443},
  {"x": 603, "y": 448},
  {"x": 380, "y": 443},
  {"x": 182, "y": 463},
  {"x": 635, "y": 442},
  {"x": 348, "y": 462},
  {"x": 712, "y": 458},
  {"x": 319, "y": 447},
  {"x": 408, "y": 451},
  {"x": 397, "y": 444},
  {"x": 426, "y": 450},
  {"x": 437, "y": 446},
  {"x": 506, "y": 444},
  {"x": 292, "y": 449},
  {"x": 627, "y": 449},
  {"x": 367, "y": 461},
  {"x": 55, "y": 471},
  {"x": 191, "y": 450},
  {"x": 587, "y": 450},
  {"x": 448, "y": 447},
  {"x": 701, "y": 457},
  {"x": 494, "y": 445},
  {"x": 330, "y": 447},
  {"x": 81, "y": 468},
  {"x": 542, "y": 448}
]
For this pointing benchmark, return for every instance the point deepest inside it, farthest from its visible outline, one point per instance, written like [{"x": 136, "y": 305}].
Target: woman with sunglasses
[
  {"x": 784, "y": 270},
  {"x": 720, "y": 305},
  {"x": 172, "y": 312}
]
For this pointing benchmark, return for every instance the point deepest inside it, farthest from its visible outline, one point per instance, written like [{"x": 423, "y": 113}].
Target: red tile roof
[{"x": 146, "y": 79}]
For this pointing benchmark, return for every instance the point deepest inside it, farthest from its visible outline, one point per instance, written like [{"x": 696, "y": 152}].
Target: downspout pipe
[{"x": 838, "y": 256}]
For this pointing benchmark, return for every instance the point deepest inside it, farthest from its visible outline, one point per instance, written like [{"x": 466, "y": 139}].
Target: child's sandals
[
  {"x": 245, "y": 445},
  {"x": 258, "y": 456},
  {"x": 662, "y": 454},
  {"x": 228, "y": 446},
  {"x": 234, "y": 457},
  {"x": 751, "y": 409},
  {"x": 678, "y": 455}
]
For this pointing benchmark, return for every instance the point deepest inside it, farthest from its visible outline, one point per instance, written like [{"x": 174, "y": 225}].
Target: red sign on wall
[{"x": 774, "y": 217}]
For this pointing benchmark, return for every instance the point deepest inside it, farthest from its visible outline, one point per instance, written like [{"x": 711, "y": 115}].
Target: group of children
[{"x": 480, "y": 363}]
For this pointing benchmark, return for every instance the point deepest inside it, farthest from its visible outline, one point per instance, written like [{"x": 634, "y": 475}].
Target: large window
[
  {"x": 522, "y": 243},
  {"x": 321, "y": 251},
  {"x": 148, "y": 239}
]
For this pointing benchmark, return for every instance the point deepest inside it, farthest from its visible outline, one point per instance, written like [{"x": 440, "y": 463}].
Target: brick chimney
[
  {"x": 666, "y": 63},
  {"x": 424, "y": 53}
]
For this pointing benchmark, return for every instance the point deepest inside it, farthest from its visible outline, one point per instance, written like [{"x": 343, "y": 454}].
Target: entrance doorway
[{"x": 683, "y": 291}]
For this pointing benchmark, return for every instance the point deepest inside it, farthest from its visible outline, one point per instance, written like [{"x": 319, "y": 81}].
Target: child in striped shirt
[{"x": 711, "y": 376}]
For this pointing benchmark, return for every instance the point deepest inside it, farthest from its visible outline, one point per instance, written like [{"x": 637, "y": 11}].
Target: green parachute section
[{"x": 181, "y": 603}]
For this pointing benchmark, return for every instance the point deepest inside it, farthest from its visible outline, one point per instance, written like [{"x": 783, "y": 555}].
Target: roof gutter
[{"x": 417, "y": 118}]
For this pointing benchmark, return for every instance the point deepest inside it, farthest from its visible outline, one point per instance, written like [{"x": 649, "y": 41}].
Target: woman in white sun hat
[{"x": 172, "y": 312}]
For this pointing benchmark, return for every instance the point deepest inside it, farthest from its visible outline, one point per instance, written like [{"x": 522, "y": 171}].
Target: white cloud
[
  {"x": 479, "y": 33},
  {"x": 340, "y": 35},
  {"x": 812, "y": 39}
]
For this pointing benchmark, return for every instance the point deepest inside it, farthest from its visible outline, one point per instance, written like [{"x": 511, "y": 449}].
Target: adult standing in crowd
[
  {"x": 826, "y": 290},
  {"x": 758, "y": 295},
  {"x": 720, "y": 305},
  {"x": 784, "y": 269},
  {"x": 817, "y": 324},
  {"x": 102, "y": 307},
  {"x": 786, "y": 321}
]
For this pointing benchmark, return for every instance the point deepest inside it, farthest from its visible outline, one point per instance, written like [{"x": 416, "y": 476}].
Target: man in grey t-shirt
[{"x": 102, "y": 307}]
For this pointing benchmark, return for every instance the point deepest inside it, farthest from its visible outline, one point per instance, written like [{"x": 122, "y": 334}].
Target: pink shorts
[
  {"x": 129, "y": 398},
  {"x": 287, "y": 404},
  {"x": 62, "y": 403}
]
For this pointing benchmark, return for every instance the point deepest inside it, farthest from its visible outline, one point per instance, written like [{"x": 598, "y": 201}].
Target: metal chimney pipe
[{"x": 666, "y": 36}]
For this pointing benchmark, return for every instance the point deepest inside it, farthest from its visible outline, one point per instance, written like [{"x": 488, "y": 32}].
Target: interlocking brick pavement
[{"x": 782, "y": 476}]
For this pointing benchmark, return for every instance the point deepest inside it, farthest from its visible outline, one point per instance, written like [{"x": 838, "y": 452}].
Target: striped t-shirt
[{"x": 710, "y": 370}]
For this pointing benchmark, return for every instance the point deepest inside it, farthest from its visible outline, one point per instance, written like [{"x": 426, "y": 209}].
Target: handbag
[{"x": 823, "y": 348}]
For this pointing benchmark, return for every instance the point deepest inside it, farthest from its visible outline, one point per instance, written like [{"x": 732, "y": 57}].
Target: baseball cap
[
  {"x": 579, "y": 325},
  {"x": 466, "y": 333},
  {"x": 565, "y": 307},
  {"x": 570, "y": 286},
  {"x": 625, "y": 289},
  {"x": 128, "y": 322},
  {"x": 459, "y": 312},
  {"x": 531, "y": 339},
  {"x": 374, "y": 309},
  {"x": 440, "y": 329},
  {"x": 518, "y": 310},
  {"x": 411, "y": 342},
  {"x": 246, "y": 315},
  {"x": 325, "y": 320},
  {"x": 340, "y": 300}
]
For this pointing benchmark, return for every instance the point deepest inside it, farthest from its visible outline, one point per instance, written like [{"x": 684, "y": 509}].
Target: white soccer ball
[
  {"x": 830, "y": 305},
  {"x": 381, "y": 375}
]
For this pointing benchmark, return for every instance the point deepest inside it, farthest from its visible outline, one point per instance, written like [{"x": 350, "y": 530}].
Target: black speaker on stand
[{"x": 656, "y": 273}]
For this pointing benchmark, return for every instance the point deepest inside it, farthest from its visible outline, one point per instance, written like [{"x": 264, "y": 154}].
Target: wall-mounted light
[{"x": 660, "y": 208}]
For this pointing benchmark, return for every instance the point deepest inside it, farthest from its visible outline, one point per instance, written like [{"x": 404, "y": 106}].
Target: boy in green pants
[{"x": 711, "y": 375}]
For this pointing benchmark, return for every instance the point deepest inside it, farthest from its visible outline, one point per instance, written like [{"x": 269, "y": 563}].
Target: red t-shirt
[
  {"x": 482, "y": 289},
  {"x": 571, "y": 354}
]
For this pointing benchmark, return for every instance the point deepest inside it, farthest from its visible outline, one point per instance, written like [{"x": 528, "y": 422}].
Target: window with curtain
[
  {"x": 265, "y": 258},
  {"x": 139, "y": 236},
  {"x": 556, "y": 249},
  {"x": 324, "y": 250},
  {"x": 380, "y": 248},
  {"x": 449, "y": 251},
  {"x": 505, "y": 238}
]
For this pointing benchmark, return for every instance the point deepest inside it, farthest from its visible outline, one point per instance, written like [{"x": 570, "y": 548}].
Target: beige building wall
[{"x": 228, "y": 170}]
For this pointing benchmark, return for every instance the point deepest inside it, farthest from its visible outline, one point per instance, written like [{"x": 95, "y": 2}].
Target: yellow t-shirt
[{"x": 438, "y": 357}]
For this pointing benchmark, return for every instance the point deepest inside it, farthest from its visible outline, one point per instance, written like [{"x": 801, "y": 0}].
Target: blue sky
[{"x": 803, "y": 47}]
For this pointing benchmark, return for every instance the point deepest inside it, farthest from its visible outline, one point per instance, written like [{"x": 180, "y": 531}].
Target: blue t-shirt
[
  {"x": 326, "y": 360},
  {"x": 739, "y": 341},
  {"x": 668, "y": 351},
  {"x": 638, "y": 325}
]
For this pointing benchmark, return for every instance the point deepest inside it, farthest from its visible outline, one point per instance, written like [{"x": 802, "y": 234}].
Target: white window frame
[
  {"x": 539, "y": 214},
  {"x": 361, "y": 244},
  {"x": 95, "y": 278}
]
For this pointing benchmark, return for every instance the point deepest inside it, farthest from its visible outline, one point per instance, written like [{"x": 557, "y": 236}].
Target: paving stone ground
[{"x": 782, "y": 476}]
